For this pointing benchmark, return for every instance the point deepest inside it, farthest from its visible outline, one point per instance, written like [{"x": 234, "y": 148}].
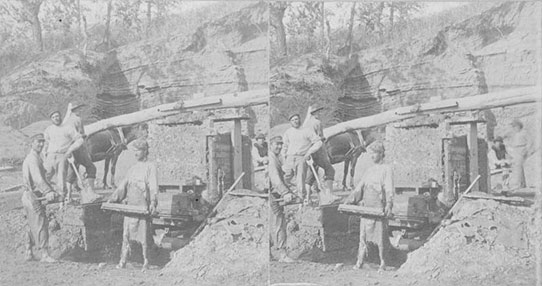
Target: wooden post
[
  {"x": 237, "y": 142},
  {"x": 473, "y": 153}
]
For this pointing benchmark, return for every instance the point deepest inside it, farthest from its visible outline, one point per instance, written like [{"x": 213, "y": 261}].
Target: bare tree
[
  {"x": 107, "y": 34},
  {"x": 149, "y": 15},
  {"x": 349, "y": 36},
  {"x": 26, "y": 11},
  {"x": 277, "y": 10}
]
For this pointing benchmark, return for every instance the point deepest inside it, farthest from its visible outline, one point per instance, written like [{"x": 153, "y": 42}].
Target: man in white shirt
[
  {"x": 299, "y": 145},
  {"x": 61, "y": 142}
]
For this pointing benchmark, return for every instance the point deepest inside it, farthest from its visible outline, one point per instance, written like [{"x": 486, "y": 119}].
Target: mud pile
[
  {"x": 231, "y": 250},
  {"x": 484, "y": 240}
]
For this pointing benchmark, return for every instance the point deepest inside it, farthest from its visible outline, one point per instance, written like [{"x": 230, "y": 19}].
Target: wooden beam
[
  {"x": 231, "y": 100},
  {"x": 472, "y": 141},
  {"x": 237, "y": 142},
  {"x": 477, "y": 102}
]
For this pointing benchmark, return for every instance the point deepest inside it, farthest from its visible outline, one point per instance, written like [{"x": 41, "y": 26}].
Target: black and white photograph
[
  {"x": 127, "y": 143},
  {"x": 404, "y": 146},
  {"x": 273, "y": 143}
]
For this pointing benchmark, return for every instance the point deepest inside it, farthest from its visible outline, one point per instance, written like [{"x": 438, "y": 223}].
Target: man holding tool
[
  {"x": 299, "y": 144},
  {"x": 278, "y": 191},
  {"x": 36, "y": 190},
  {"x": 81, "y": 155},
  {"x": 321, "y": 159}
]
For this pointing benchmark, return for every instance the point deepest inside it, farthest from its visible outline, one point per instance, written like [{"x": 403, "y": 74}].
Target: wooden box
[{"x": 174, "y": 203}]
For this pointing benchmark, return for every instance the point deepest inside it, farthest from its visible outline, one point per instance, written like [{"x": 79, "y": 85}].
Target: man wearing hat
[
  {"x": 36, "y": 189},
  {"x": 299, "y": 144},
  {"x": 259, "y": 151},
  {"x": 321, "y": 159},
  {"x": 81, "y": 154},
  {"x": 61, "y": 142},
  {"x": 520, "y": 149},
  {"x": 375, "y": 190},
  {"x": 278, "y": 190},
  {"x": 138, "y": 188}
]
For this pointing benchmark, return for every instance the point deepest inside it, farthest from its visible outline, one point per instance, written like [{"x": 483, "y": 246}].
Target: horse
[
  {"x": 345, "y": 147},
  {"x": 108, "y": 145}
]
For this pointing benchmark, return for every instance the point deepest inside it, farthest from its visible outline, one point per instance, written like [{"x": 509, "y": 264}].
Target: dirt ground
[
  {"x": 15, "y": 271},
  {"x": 343, "y": 275}
]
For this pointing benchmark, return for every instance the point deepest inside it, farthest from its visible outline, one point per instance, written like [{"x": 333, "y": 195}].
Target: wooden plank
[
  {"x": 472, "y": 140},
  {"x": 248, "y": 98},
  {"x": 477, "y": 102},
  {"x": 360, "y": 210},
  {"x": 246, "y": 194},
  {"x": 7, "y": 168},
  {"x": 131, "y": 209},
  {"x": 231, "y": 118},
  {"x": 502, "y": 199},
  {"x": 237, "y": 142}
]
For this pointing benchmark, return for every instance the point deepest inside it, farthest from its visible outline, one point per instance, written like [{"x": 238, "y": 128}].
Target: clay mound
[
  {"x": 232, "y": 250},
  {"x": 485, "y": 239},
  {"x": 13, "y": 146}
]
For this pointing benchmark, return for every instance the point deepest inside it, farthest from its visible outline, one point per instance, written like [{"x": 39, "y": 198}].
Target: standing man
[
  {"x": 61, "y": 142},
  {"x": 321, "y": 159},
  {"x": 519, "y": 150},
  {"x": 278, "y": 190},
  {"x": 259, "y": 151},
  {"x": 139, "y": 188},
  {"x": 81, "y": 154},
  {"x": 299, "y": 145},
  {"x": 36, "y": 187},
  {"x": 375, "y": 190}
]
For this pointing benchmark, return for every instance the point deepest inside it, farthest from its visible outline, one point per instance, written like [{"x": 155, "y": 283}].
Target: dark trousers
[
  {"x": 82, "y": 157},
  {"x": 321, "y": 159}
]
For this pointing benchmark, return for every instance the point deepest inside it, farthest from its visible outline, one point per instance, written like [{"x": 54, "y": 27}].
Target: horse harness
[{"x": 116, "y": 146}]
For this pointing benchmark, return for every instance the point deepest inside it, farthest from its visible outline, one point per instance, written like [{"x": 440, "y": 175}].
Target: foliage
[
  {"x": 375, "y": 23},
  {"x": 64, "y": 24}
]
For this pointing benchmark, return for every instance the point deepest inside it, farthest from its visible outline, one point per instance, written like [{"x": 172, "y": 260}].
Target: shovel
[{"x": 84, "y": 190}]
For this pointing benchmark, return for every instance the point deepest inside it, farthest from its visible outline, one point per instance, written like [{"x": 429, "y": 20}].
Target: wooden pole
[
  {"x": 453, "y": 209},
  {"x": 477, "y": 102},
  {"x": 472, "y": 142},
  {"x": 231, "y": 100},
  {"x": 237, "y": 142},
  {"x": 212, "y": 213}
]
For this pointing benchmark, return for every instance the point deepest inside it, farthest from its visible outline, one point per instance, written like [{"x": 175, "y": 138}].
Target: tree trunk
[
  {"x": 79, "y": 23},
  {"x": 348, "y": 42},
  {"x": 107, "y": 35},
  {"x": 328, "y": 44},
  {"x": 36, "y": 29},
  {"x": 378, "y": 23},
  {"x": 392, "y": 16},
  {"x": 277, "y": 14},
  {"x": 149, "y": 15},
  {"x": 85, "y": 36},
  {"x": 323, "y": 27},
  {"x": 240, "y": 99},
  {"x": 31, "y": 15},
  {"x": 477, "y": 102}
]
